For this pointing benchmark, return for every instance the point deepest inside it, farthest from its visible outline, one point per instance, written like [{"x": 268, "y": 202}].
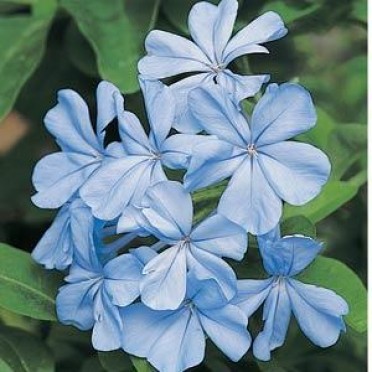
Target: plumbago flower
[
  {"x": 97, "y": 288},
  {"x": 174, "y": 340},
  {"x": 264, "y": 167},
  {"x": 167, "y": 213},
  {"x": 57, "y": 177},
  {"x": 318, "y": 311},
  {"x": 209, "y": 54},
  {"x": 120, "y": 183}
]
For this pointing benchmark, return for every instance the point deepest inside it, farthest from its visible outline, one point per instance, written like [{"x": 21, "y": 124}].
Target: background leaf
[
  {"x": 116, "y": 33},
  {"x": 25, "y": 287},
  {"x": 22, "y": 352},
  {"x": 335, "y": 275},
  {"x": 115, "y": 361}
]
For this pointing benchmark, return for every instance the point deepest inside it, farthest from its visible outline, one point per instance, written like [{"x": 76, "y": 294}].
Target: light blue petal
[
  {"x": 272, "y": 236},
  {"x": 218, "y": 115},
  {"x": 283, "y": 112},
  {"x": 277, "y": 314},
  {"x": 221, "y": 237},
  {"x": 249, "y": 200},
  {"x": 122, "y": 278},
  {"x": 296, "y": 171},
  {"x": 176, "y": 150},
  {"x": 168, "y": 210},
  {"x": 160, "y": 108},
  {"x": 112, "y": 187},
  {"x": 109, "y": 103},
  {"x": 54, "y": 250},
  {"x": 70, "y": 124},
  {"x": 204, "y": 265},
  {"x": 170, "y": 340},
  {"x": 251, "y": 294},
  {"x": 318, "y": 312},
  {"x": 227, "y": 328},
  {"x": 211, "y": 162},
  {"x": 267, "y": 27},
  {"x": 223, "y": 26},
  {"x": 107, "y": 329},
  {"x": 201, "y": 22},
  {"x": 163, "y": 286},
  {"x": 143, "y": 254},
  {"x": 241, "y": 86},
  {"x": 184, "y": 121},
  {"x": 170, "y": 55},
  {"x": 54, "y": 188},
  {"x": 133, "y": 136},
  {"x": 74, "y": 304}
]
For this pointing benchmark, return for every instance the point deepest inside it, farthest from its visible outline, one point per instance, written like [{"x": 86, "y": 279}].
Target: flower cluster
[{"x": 161, "y": 300}]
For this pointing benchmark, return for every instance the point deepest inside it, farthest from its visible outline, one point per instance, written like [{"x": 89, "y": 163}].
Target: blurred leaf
[
  {"x": 22, "y": 42},
  {"x": 318, "y": 135},
  {"x": 271, "y": 366},
  {"x": 298, "y": 225},
  {"x": 116, "y": 33},
  {"x": 346, "y": 145},
  {"x": 141, "y": 365},
  {"x": 360, "y": 11},
  {"x": 92, "y": 364},
  {"x": 23, "y": 352},
  {"x": 333, "y": 195},
  {"x": 291, "y": 13},
  {"x": 25, "y": 287},
  {"x": 115, "y": 361},
  {"x": 333, "y": 274}
]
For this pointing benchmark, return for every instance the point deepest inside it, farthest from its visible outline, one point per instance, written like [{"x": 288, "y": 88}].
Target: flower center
[
  {"x": 155, "y": 156},
  {"x": 251, "y": 149},
  {"x": 217, "y": 68}
]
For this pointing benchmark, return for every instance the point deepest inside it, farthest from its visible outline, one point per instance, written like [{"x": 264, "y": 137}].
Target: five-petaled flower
[
  {"x": 209, "y": 54},
  {"x": 265, "y": 168}
]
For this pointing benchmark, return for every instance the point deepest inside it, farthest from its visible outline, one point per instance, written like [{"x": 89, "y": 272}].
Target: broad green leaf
[
  {"x": 116, "y": 33},
  {"x": 333, "y": 195},
  {"x": 25, "y": 287},
  {"x": 23, "y": 352},
  {"x": 92, "y": 364},
  {"x": 335, "y": 275},
  {"x": 298, "y": 225},
  {"x": 346, "y": 145},
  {"x": 271, "y": 366},
  {"x": 115, "y": 361},
  {"x": 319, "y": 134},
  {"x": 290, "y": 13},
  {"x": 141, "y": 365},
  {"x": 360, "y": 11},
  {"x": 22, "y": 44}
]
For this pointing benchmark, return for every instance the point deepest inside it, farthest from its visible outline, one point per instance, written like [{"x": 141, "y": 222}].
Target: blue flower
[
  {"x": 264, "y": 167},
  {"x": 57, "y": 177},
  {"x": 118, "y": 186},
  {"x": 167, "y": 213},
  {"x": 56, "y": 247},
  {"x": 318, "y": 311},
  {"x": 209, "y": 54},
  {"x": 174, "y": 340},
  {"x": 96, "y": 290}
]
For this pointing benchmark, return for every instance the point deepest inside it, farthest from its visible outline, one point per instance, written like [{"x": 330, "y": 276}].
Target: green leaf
[
  {"x": 360, "y": 11},
  {"x": 298, "y": 225},
  {"x": 141, "y": 365},
  {"x": 22, "y": 44},
  {"x": 22, "y": 352},
  {"x": 115, "y": 361},
  {"x": 25, "y": 287},
  {"x": 333, "y": 195},
  {"x": 335, "y": 275},
  {"x": 346, "y": 145},
  {"x": 290, "y": 13},
  {"x": 116, "y": 34}
]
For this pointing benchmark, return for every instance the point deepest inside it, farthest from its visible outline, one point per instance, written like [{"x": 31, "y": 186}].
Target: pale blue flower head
[
  {"x": 167, "y": 213},
  {"x": 119, "y": 185},
  {"x": 318, "y": 311},
  {"x": 265, "y": 168},
  {"x": 209, "y": 53},
  {"x": 58, "y": 176},
  {"x": 96, "y": 289},
  {"x": 174, "y": 340}
]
